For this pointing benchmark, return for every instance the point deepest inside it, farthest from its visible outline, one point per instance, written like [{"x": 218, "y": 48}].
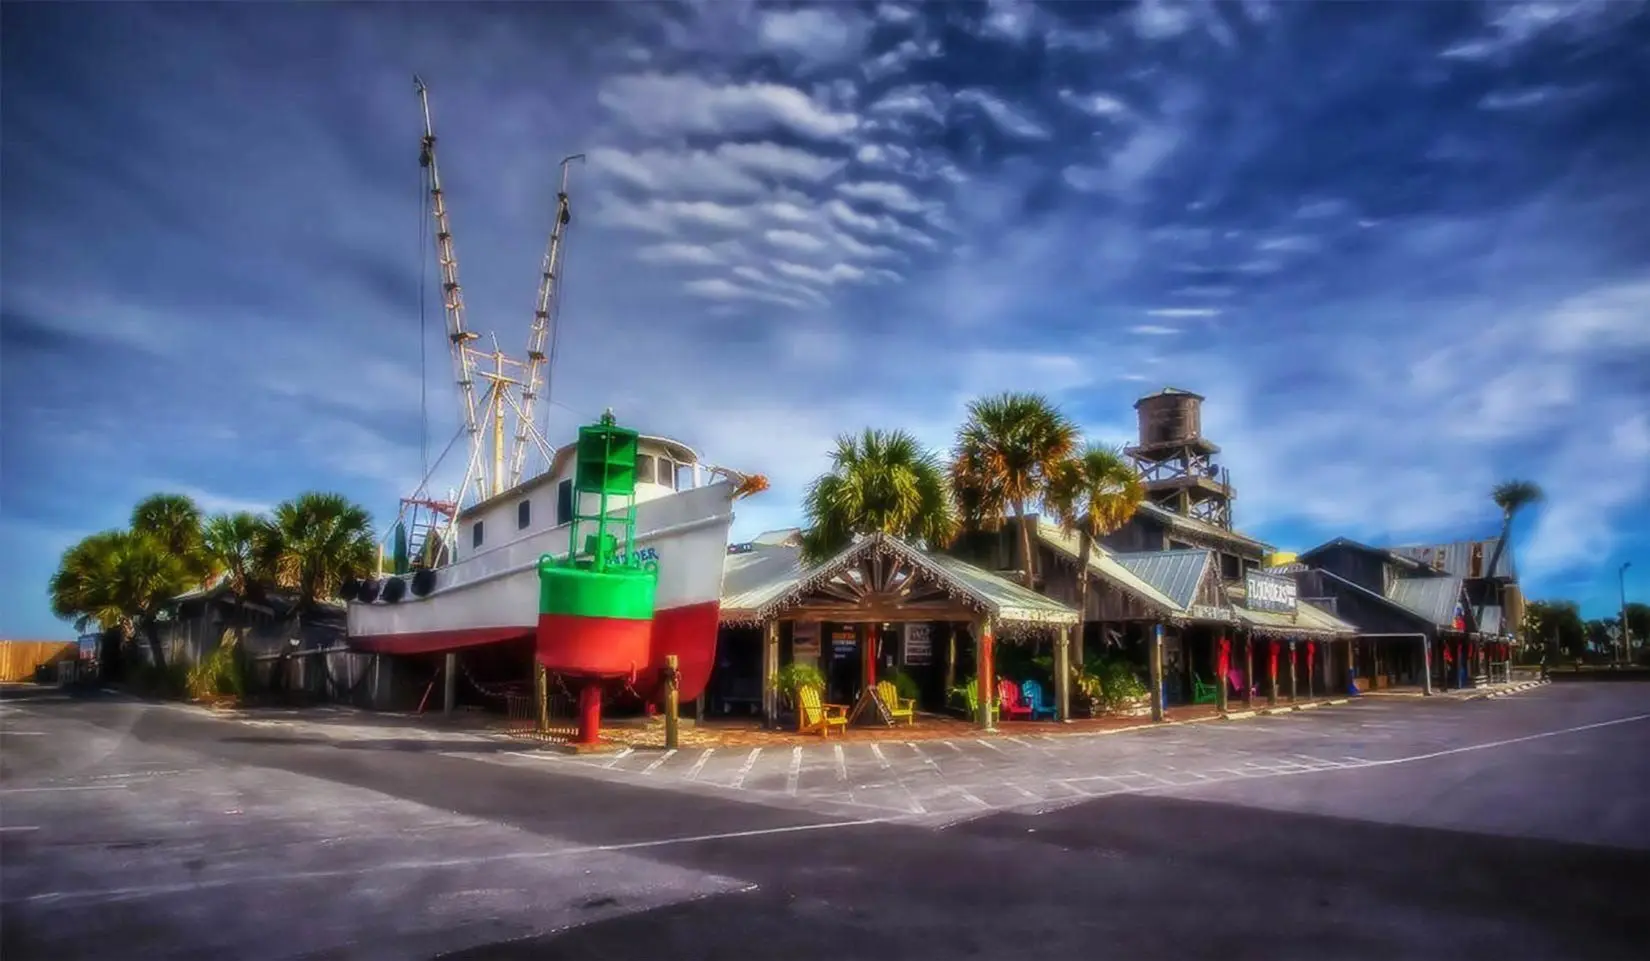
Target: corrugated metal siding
[
  {"x": 754, "y": 578},
  {"x": 1104, "y": 563},
  {"x": 1176, "y": 573},
  {"x": 1008, "y": 599},
  {"x": 1195, "y": 526},
  {"x": 1433, "y": 598},
  {"x": 1457, "y": 557}
]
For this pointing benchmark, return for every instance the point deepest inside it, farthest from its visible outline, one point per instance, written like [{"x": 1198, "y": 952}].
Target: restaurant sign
[{"x": 1269, "y": 593}]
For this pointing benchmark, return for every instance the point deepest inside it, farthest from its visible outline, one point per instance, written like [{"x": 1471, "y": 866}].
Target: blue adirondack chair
[{"x": 1032, "y": 692}]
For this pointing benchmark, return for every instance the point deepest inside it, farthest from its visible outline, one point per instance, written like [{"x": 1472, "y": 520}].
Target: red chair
[{"x": 1013, "y": 705}]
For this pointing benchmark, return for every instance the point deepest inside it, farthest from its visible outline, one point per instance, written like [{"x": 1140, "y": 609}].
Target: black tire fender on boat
[
  {"x": 368, "y": 592},
  {"x": 394, "y": 589},
  {"x": 350, "y": 589},
  {"x": 423, "y": 581}
]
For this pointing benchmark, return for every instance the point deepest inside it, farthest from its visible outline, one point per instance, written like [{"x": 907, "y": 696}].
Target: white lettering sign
[{"x": 1268, "y": 593}]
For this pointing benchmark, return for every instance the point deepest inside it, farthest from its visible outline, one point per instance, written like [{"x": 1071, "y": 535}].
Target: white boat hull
[{"x": 493, "y": 596}]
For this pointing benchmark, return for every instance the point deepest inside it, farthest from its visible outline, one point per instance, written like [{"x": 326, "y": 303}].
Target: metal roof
[
  {"x": 1385, "y": 553},
  {"x": 1108, "y": 567},
  {"x": 753, "y": 578},
  {"x": 1490, "y": 620},
  {"x": 1433, "y": 598},
  {"x": 1457, "y": 557},
  {"x": 760, "y": 583},
  {"x": 1175, "y": 573},
  {"x": 1194, "y": 526},
  {"x": 1308, "y": 620}
]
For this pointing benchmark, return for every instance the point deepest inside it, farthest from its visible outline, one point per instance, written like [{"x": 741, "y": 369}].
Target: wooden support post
[
  {"x": 985, "y": 672},
  {"x": 950, "y": 658},
  {"x": 672, "y": 708},
  {"x": 1248, "y": 669},
  {"x": 1156, "y": 660},
  {"x": 1223, "y": 672},
  {"x": 1062, "y": 675},
  {"x": 1426, "y": 665},
  {"x": 868, "y": 636},
  {"x": 770, "y": 673},
  {"x": 1292, "y": 690},
  {"x": 449, "y": 687},
  {"x": 1271, "y": 672},
  {"x": 541, "y": 697}
]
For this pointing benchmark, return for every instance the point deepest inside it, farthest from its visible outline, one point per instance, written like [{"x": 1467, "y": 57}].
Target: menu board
[
  {"x": 844, "y": 642},
  {"x": 919, "y": 645}
]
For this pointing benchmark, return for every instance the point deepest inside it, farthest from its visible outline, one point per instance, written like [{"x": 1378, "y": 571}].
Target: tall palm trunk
[
  {"x": 1026, "y": 557},
  {"x": 1490, "y": 582},
  {"x": 1083, "y": 554}
]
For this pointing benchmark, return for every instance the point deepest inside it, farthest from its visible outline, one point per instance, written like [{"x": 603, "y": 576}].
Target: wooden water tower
[{"x": 1176, "y": 460}]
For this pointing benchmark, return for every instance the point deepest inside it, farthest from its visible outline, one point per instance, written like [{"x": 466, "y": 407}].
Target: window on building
[
  {"x": 564, "y": 503},
  {"x": 524, "y": 515},
  {"x": 475, "y": 535},
  {"x": 645, "y": 471}
]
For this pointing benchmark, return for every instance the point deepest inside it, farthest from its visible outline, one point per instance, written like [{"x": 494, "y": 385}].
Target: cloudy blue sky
[{"x": 1404, "y": 249}]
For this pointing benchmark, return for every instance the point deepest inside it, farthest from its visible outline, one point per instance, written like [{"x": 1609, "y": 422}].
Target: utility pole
[{"x": 1626, "y": 635}]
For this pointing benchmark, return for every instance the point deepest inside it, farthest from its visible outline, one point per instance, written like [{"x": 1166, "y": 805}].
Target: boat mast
[
  {"x": 459, "y": 336},
  {"x": 549, "y": 293}
]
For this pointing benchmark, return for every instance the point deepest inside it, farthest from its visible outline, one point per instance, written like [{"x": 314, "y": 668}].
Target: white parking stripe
[
  {"x": 658, "y": 761},
  {"x": 795, "y": 773},
  {"x": 699, "y": 765},
  {"x": 745, "y": 769}
]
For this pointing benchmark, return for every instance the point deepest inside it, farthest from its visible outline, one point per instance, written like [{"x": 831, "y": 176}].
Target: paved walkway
[{"x": 952, "y": 779}]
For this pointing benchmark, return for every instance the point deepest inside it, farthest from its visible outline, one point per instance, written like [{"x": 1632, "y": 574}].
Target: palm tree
[
  {"x": 175, "y": 521},
  {"x": 1005, "y": 454},
  {"x": 880, "y": 481},
  {"x": 316, "y": 541},
  {"x": 1512, "y": 497},
  {"x": 120, "y": 580},
  {"x": 1092, "y": 495}
]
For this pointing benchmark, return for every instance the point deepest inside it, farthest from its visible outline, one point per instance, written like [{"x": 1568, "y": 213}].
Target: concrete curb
[{"x": 1506, "y": 691}]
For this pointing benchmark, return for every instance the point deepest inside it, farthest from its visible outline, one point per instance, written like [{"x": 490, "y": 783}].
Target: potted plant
[
  {"x": 1122, "y": 691},
  {"x": 790, "y": 679}
]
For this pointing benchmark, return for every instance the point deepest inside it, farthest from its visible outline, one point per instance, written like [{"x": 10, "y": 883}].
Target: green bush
[
  {"x": 1118, "y": 683},
  {"x": 795, "y": 676},
  {"x": 219, "y": 674}
]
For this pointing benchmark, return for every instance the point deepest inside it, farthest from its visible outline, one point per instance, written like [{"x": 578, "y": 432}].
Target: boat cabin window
[
  {"x": 524, "y": 515},
  {"x": 684, "y": 477},
  {"x": 667, "y": 473},
  {"x": 475, "y": 535},
  {"x": 644, "y": 468},
  {"x": 564, "y": 503}
]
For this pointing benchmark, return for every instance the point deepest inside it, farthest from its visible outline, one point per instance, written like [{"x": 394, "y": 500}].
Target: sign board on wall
[
  {"x": 1269, "y": 593},
  {"x": 919, "y": 645},
  {"x": 844, "y": 642},
  {"x": 805, "y": 641}
]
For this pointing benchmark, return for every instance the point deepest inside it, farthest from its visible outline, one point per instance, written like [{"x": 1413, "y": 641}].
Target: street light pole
[{"x": 1626, "y": 637}]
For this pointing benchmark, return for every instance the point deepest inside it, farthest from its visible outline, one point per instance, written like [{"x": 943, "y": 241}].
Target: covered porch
[{"x": 882, "y": 609}]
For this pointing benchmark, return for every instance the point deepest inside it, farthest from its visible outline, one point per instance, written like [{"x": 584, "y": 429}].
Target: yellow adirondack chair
[
  {"x": 813, "y": 715},
  {"x": 898, "y": 707}
]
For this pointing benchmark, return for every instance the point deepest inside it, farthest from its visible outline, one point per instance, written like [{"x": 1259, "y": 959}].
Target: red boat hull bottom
[
  {"x": 689, "y": 632},
  {"x": 578, "y": 646}
]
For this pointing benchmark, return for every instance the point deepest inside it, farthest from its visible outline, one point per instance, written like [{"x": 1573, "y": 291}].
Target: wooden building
[
  {"x": 1415, "y": 623},
  {"x": 878, "y": 606}
]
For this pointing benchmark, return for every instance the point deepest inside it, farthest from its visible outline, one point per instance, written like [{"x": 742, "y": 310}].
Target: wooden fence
[{"x": 18, "y": 659}]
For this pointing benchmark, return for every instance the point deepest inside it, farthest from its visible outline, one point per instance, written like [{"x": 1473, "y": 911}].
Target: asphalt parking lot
[{"x": 1514, "y": 827}]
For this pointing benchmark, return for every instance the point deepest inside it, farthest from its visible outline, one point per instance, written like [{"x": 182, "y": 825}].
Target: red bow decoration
[
  {"x": 1225, "y": 659},
  {"x": 1272, "y": 659}
]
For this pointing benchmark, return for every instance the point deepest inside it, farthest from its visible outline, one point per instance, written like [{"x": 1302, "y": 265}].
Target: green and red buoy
[{"x": 596, "y": 604}]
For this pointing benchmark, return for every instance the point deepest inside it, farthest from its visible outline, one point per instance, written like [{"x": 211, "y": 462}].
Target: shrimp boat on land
[{"x": 610, "y": 560}]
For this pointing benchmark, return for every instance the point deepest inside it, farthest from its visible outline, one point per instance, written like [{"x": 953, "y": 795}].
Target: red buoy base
[{"x": 590, "y": 713}]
